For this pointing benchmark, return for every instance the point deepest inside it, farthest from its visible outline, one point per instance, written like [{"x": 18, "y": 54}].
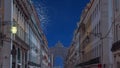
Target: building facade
[
  {"x": 95, "y": 36},
  {"x": 45, "y": 61},
  {"x": 23, "y": 49},
  {"x": 116, "y": 32}
]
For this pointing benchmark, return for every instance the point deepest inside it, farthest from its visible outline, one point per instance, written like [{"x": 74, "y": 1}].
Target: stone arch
[{"x": 59, "y": 50}]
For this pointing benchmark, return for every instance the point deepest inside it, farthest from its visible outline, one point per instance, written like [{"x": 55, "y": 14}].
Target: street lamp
[
  {"x": 14, "y": 29},
  {"x": 13, "y": 32}
]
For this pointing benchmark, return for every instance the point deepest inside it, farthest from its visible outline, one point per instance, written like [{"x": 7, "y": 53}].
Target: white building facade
[
  {"x": 23, "y": 49},
  {"x": 96, "y": 35}
]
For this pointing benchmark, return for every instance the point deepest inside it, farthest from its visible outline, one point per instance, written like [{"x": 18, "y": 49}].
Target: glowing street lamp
[
  {"x": 14, "y": 29},
  {"x": 13, "y": 32}
]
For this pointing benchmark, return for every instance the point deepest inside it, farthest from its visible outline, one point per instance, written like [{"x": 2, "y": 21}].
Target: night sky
[{"x": 59, "y": 19}]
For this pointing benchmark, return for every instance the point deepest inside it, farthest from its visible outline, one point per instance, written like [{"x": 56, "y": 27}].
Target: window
[
  {"x": 27, "y": 32},
  {"x": 116, "y": 4},
  {"x": 100, "y": 50},
  {"x": 118, "y": 64},
  {"x": 99, "y": 27},
  {"x": 95, "y": 51},
  {"x": 0, "y": 3},
  {"x": 19, "y": 55},
  {"x": 0, "y": 23},
  {"x": 25, "y": 59},
  {"x": 99, "y": 5}
]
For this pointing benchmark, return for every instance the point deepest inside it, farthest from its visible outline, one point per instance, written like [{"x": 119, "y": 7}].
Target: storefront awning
[
  {"x": 34, "y": 64},
  {"x": 115, "y": 46},
  {"x": 92, "y": 61}
]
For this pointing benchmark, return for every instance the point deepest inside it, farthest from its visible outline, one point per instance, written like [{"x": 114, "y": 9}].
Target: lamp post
[{"x": 13, "y": 32}]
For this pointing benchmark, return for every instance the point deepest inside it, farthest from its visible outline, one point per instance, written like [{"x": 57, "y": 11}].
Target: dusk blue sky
[{"x": 61, "y": 20}]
